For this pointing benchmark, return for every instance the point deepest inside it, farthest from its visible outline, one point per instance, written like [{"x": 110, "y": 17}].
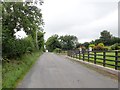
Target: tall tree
[
  {"x": 86, "y": 44},
  {"x": 53, "y": 43},
  {"x": 68, "y": 42},
  {"x": 105, "y": 37},
  {"x": 40, "y": 37},
  {"x": 17, "y": 16}
]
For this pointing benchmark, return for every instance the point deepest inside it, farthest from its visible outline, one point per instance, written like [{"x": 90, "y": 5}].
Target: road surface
[{"x": 54, "y": 71}]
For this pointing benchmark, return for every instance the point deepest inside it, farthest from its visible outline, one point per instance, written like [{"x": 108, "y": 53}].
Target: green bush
[
  {"x": 101, "y": 44},
  {"x": 92, "y": 45},
  {"x": 100, "y": 47},
  {"x": 115, "y": 46},
  {"x": 57, "y": 50},
  {"x": 16, "y": 47}
]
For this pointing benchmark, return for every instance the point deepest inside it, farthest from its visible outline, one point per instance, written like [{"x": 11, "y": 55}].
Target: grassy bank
[{"x": 14, "y": 70}]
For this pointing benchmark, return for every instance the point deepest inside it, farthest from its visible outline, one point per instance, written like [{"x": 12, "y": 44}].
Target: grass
[
  {"x": 14, "y": 70},
  {"x": 99, "y": 61}
]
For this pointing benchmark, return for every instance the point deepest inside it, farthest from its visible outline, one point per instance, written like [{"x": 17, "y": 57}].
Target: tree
[
  {"x": 17, "y": 16},
  {"x": 106, "y": 37},
  {"x": 86, "y": 44},
  {"x": 40, "y": 37},
  {"x": 97, "y": 41},
  {"x": 115, "y": 40},
  {"x": 53, "y": 43},
  {"x": 68, "y": 42},
  {"x": 78, "y": 45}
]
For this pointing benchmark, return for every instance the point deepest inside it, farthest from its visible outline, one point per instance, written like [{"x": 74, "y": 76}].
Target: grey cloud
[{"x": 76, "y": 17}]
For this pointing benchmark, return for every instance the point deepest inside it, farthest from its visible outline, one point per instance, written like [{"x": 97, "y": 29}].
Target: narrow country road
[{"x": 54, "y": 71}]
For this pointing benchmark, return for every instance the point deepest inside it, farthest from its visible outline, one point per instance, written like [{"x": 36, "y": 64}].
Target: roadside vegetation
[
  {"x": 14, "y": 70},
  {"x": 106, "y": 42},
  {"x": 20, "y": 53},
  {"x": 61, "y": 43}
]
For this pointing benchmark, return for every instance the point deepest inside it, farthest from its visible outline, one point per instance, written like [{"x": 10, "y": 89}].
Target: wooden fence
[{"x": 106, "y": 58}]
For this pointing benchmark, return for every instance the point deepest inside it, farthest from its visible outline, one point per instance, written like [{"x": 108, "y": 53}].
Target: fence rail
[{"x": 105, "y": 58}]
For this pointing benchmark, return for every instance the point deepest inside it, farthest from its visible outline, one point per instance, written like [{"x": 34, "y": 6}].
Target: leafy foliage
[
  {"x": 17, "y": 47},
  {"x": 100, "y": 47},
  {"x": 41, "y": 40},
  {"x": 68, "y": 42},
  {"x": 17, "y": 16},
  {"x": 78, "y": 45},
  {"x": 92, "y": 45},
  {"x": 14, "y": 70},
  {"x": 106, "y": 38},
  {"x": 53, "y": 43},
  {"x": 115, "y": 46},
  {"x": 57, "y": 50},
  {"x": 86, "y": 44},
  {"x": 101, "y": 44}
]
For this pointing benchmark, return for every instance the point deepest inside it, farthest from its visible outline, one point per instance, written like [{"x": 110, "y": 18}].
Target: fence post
[
  {"x": 104, "y": 58},
  {"x": 88, "y": 55},
  {"x": 79, "y": 55},
  {"x": 94, "y": 57},
  {"x": 83, "y": 55},
  {"x": 116, "y": 60}
]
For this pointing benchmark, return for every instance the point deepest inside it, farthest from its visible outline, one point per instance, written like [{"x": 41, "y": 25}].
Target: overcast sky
[{"x": 82, "y": 18}]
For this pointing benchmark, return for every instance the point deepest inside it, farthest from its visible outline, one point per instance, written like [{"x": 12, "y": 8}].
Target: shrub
[
  {"x": 115, "y": 46},
  {"x": 92, "y": 45},
  {"x": 16, "y": 47},
  {"x": 101, "y": 44},
  {"x": 57, "y": 50},
  {"x": 100, "y": 47}
]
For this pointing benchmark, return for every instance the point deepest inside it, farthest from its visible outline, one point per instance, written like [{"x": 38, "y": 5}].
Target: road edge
[
  {"x": 100, "y": 69},
  {"x": 27, "y": 71}
]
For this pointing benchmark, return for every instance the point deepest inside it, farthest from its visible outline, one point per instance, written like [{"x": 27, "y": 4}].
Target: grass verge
[{"x": 14, "y": 70}]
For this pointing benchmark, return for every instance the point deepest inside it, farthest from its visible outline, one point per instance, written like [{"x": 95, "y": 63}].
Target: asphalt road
[{"x": 54, "y": 71}]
